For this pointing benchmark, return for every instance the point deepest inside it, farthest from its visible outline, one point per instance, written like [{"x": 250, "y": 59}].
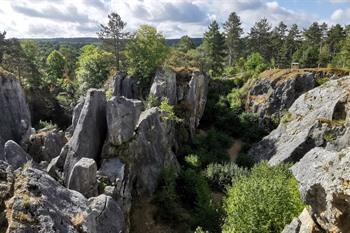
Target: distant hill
[{"x": 81, "y": 41}]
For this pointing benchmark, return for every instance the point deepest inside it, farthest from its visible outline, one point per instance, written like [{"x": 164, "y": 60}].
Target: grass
[{"x": 328, "y": 137}]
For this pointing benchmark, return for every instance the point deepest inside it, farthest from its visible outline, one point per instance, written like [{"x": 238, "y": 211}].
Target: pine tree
[
  {"x": 278, "y": 44},
  {"x": 233, "y": 32},
  {"x": 214, "y": 47},
  {"x": 260, "y": 38},
  {"x": 113, "y": 36},
  {"x": 185, "y": 43},
  {"x": 2, "y": 45},
  {"x": 334, "y": 37}
]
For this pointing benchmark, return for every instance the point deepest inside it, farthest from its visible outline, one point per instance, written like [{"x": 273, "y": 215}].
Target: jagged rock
[
  {"x": 6, "y": 188},
  {"x": 112, "y": 169},
  {"x": 126, "y": 86},
  {"x": 324, "y": 181},
  {"x": 89, "y": 133},
  {"x": 38, "y": 203},
  {"x": 2, "y": 143},
  {"x": 46, "y": 145},
  {"x": 76, "y": 114},
  {"x": 15, "y": 122},
  {"x": 15, "y": 155},
  {"x": 52, "y": 168},
  {"x": 303, "y": 224},
  {"x": 276, "y": 90},
  {"x": 317, "y": 118},
  {"x": 105, "y": 216},
  {"x": 122, "y": 117},
  {"x": 83, "y": 177},
  {"x": 164, "y": 85}
]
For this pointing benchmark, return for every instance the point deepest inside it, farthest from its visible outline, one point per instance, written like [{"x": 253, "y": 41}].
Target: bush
[
  {"x": 263, "y": 202},
  {"x": 193, "y": 161},
  {"x": 168, "y": 111},
  {"x": 221, "y": 175}
]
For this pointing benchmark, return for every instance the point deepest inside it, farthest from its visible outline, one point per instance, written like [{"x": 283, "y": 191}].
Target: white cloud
[
  {"x": 341, "y": 16},
  {"x": 67, "y": 18}
]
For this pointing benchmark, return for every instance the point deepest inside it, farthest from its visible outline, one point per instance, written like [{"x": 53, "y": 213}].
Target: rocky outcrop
[
  {"x": 164, "y": 85},
  {"x": 317, "y": 118},
  {"x": 303, "y": 224},
  {"x": 46, "y": 144},
  {"x": 35, "y": 202},
  {"x": 83, "y": 177},
  {"x": 76, "y": 114},
  {"x": 89, "y": 133},
  {"x": 324, "y": 181},
  {"x": 15, "y": 121},
  {"x": 15, "y": 155},
  {"x": 127, "y": 86},
  {"x": 276, "y": 90}
]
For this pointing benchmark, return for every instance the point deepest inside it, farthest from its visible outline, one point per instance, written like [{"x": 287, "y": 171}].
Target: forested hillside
[{"x": 132, "y": 132}]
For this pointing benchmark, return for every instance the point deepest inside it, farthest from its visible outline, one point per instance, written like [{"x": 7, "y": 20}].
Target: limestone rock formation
[
  {"x": 46, "y": 144},
  {"x": 276, "y": 90},
  {"x": 317, "y": 118},
  {"x": 76, "y": 114},
  {"x": 83, "y": 177},
  {"x": 35, "y": 202},
  {"x": 324, "y": 180},
  {"x": 89, "y": 133},
  {"x": 164, "y": 85},
  {"x": 15, "y": 155},
  {"x": 15, "y": 121},
  {"x": 126, "y": 86},
  {"x": 303, "y": 224}
]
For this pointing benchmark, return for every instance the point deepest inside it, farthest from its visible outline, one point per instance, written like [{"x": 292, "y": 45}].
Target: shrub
[
  {"x": 46, "y": 125},
  {"x": 221, "y": 175},
  {"x": 245, "y": 161},
  {"x": 193, "y": 161},
  {"x": 168, "y": 111},
  {"x": 262, "y": 202}
]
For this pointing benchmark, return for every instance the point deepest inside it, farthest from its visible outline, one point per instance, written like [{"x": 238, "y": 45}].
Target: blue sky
[{"x": 174, "y": 18}]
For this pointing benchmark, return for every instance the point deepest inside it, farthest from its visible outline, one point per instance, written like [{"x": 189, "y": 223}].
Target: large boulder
[
  {"x": 164, "y": 85},
  {"x": 83, "y": 177},
  {"x": 15, "y": 155},
  {"x": 317, "y": 118},
  {"x": 35, "y": 202},
  {"x": 15, "y": 121},
  {"x": 89, "y": 133},
  {"x": 127, "y": 86},
  {"x": 324, "y": 181},
  {"x": 76, "y": 114},
  {"x": 303, "y": 224},
  {"x": 46, "y": 144}
]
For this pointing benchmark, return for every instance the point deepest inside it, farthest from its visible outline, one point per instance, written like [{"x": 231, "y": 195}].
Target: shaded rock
[
  {"x": 89, "y": 133},
  {"x": 164, "y": 85},
  {"x": 41, "y": 204},
  {"x": 7, "y": 180},
  {"x": 83, "y": 177},
  {"x": 122, "y": 117},
  {"x": 52, "y": 168},
  {"x": 46, "y": 145},
  {"x": 2, "y": 153},
  {"x": 76, "y": 114},
  {"x": 15, "y": 155},
  {"x": 15, "y": 121},
  {"x": 126, "y": 86},
  {"x": 317, "y": 118},
  {"x": 105, "y": 215},
  {"x": 324, "y": 181},
  {"x": 112, "y": 170},
  {"x": 303, "y": 224}
]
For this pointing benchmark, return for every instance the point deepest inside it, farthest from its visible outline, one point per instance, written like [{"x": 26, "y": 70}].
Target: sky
[{"x": 173, "y": 18}]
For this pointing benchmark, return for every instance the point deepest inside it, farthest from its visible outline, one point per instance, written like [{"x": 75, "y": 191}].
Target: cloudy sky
[{"x": 78, "y": 18}]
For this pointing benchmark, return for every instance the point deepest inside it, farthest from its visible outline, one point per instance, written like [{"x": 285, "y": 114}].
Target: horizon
[{"x": 65, "y": 19}]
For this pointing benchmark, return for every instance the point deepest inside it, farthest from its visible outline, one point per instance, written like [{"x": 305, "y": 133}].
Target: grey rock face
[
  {"x": 274, "y": 94},
  {"x": 317, "y": 118},
  {"x": 76, "y": 114},
  {"x": 15, "y": 155},
  {"x": 38, "y": 203},
  {"x": 122, "y": 117},
  {"x": 83, "y": 177},
  {"x": 112, "y": 169},
  {"x": 2, "y": 144},
  {"x": 6, "y": 188},
  {"x": 15, "y": 116},
  {"x": 303, "y": 224},
  {"x": 46, "y": 145},
  {"x": 164, "y": 85},
  {"x": 126, "y": 86},
  {"x": 324, "y": 181},
  {"x": 89, "y": 133}
]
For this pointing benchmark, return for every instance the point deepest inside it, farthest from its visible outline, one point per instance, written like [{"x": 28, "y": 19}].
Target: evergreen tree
[
  {"x": 334, "y": 37},
  {"x": 185, "y": 44},
  {"x": 214, "y": 47},
  {"x": 260, "y": 38},
  {"x": 2, "y": 45},
  {"x": 313, "y": 35},
  {"x": 56, "y": 64},
  {"x": 113, "y": 36},
  {"x": 233, "y": 32},
  {"x": 278, "y": 44}
]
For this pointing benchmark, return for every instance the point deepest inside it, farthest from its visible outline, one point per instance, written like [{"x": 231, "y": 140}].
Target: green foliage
[
  {"x": 193, "y": 161},
  {"x": 262, "y": 202},
  {"x": 287, "y": 117},
  {"x": 185, "y": 44},
  {"x": 195, "y": 193},
  {"x": 222, "y": 174},
  {"x": 255, "y": 63},
  {"x": 168, "y": 111},
  {"x": 94, "y": 66},
  {"x": 233, "y": 32},
  {"x": 56, "y": 64},
  {"x": 46, "y": 125},
  {"x": 245, "y": 161},
  {"x": 200, "y": 230},
  {"x": 328, "y": 137},
  {"x": 151, "y": 101},
  {"x": 145, "y": 51}
]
